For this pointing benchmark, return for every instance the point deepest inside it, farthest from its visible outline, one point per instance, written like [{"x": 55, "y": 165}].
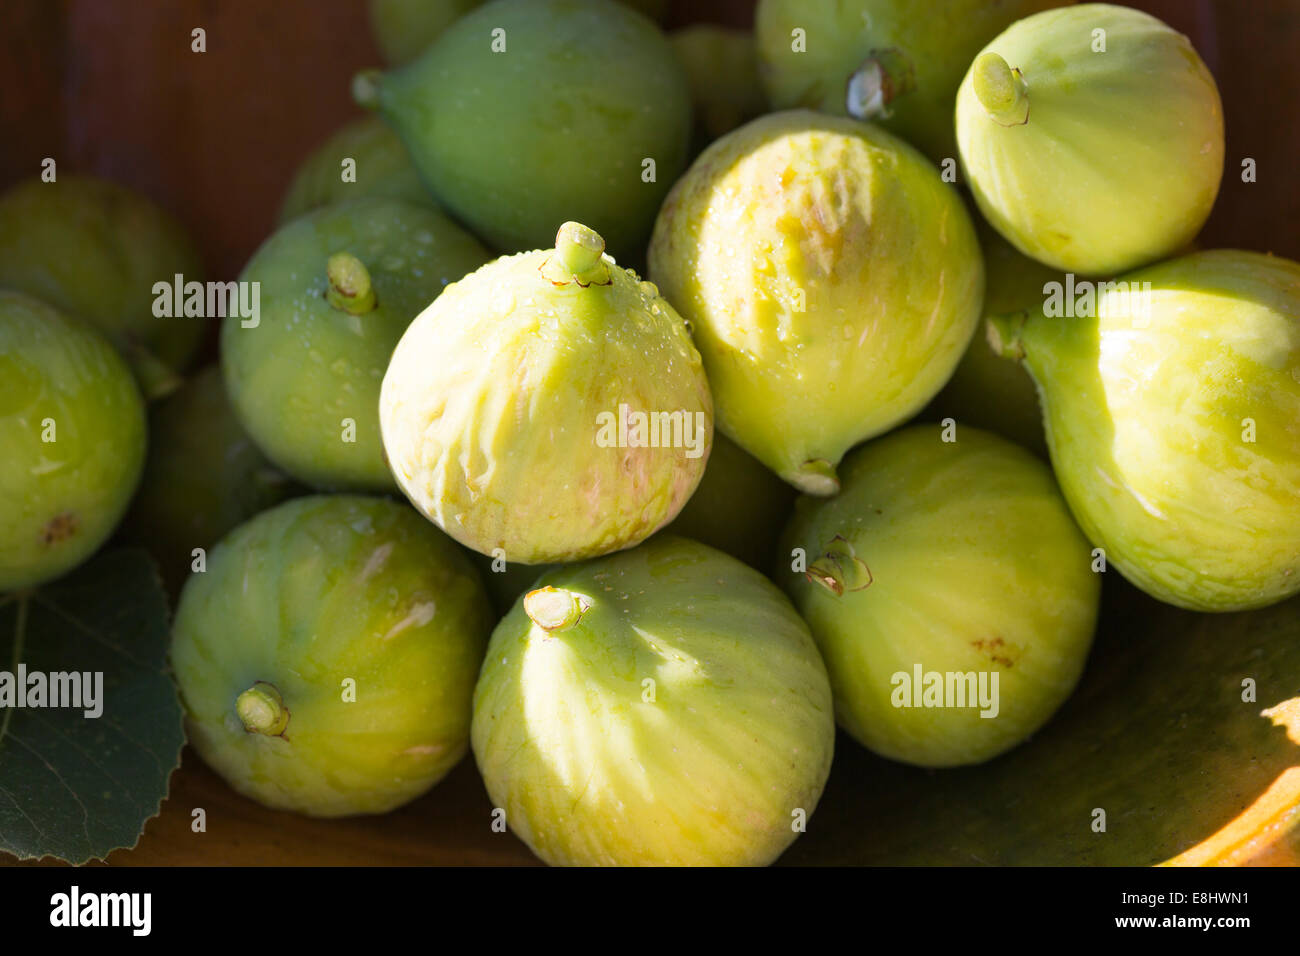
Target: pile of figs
[{"x": 633, "y": 409}]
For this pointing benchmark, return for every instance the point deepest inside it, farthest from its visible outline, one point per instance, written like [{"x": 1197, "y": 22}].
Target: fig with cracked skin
[
  {"x": 832, "y": 281},
  {"x": 662, "y": 706},
  {"x": 957, "y": 559},
  {"x": 1092, "y": 138},
  {"x": 1172, "y": 413},
  {"x": 326, "y": 658},
  {"x": 550, "y": 405}
]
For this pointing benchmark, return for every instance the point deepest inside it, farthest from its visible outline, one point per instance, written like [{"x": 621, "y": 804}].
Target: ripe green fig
[
  {"x": 1172, "y": 407},
  {"x": 528, "y": 113},
  {"x": 203, "y": 476},
  {"x": 662, "y": 706},
  {"x": 550, "y": 405},
  {"x": 832, "y": 281},
  {"x": 72, "y": 441},
  {"x": 381, "y": 168},
  {"x": 894, "y": 62},
  {"x": 739, "y": 507},
  {"x": 987, "y": 391},
  {"x": 722, "y": 67},
  {"x": 95, "y": 249},
  {"x": 950, "y": 592},
  {"x": 338, "y": 288},
  {"x": 327, "y": 656},
  {"x": 1092, "y": 138},
  {"x": 404, "y": 28}
]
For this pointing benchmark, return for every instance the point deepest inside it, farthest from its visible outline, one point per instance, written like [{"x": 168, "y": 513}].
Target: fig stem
[
  {"x": 554, "y": 609},
  {"x": 365, "y": 88},
  {"x": 1004, "y": 335},
  {"x": 350, "y": 289},
  {"x": 262, "y": 710},
  {"x": 1001, "y": 89},
  {"x": 155, "y": 377},
  {"x": 578, "y": 257}
]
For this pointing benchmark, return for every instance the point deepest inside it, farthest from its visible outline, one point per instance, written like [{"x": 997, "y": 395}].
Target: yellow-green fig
[
  {"x": 1171, "y": 399},
  {"x": 337, "y": 287},
  {"x": 96, "y": 250},
  {"x": 527, "y": 113},
  {"x": 72, "y": 440},
  {"x": 950, "y": 592},
  {"x": 550, "y": 405},
  {"x": 832, "y": 280},
  {"x": 1092, "y": 138},
  {"x": 664, "y": 706},
  {"x": 986, "y": 391},
  {"x": 364, "y": 158},
  {"x": 327, "y": 655},
  {"x": 894, "y": 62}
]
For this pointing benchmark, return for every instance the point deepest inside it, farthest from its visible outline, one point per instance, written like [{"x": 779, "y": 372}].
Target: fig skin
[
  {"x": 491, "y": 407},
  {"x": 303, "y": 597},
  {"x": 94, "y": 249},
  {"x": 957, "y": 556},
  {"x": 555, "y": 128},
  {"x": 310, "y": 363},
  {"x": 922, "y": 47},
  {"x": 383, "y": 169},
  {"x": 404, "y": 28},
  {"x": 1092, "y": 163},
  {"x": 738, "y": 736},
  {"x": 739, "y": 507},
  {"x": 883, "y": 253},
  {"x": 986, "y": 390},
  {"x": 722, "y": 67},
  {"x": 1145, "y": 419},
  {"x": 61, "y": 498},
  {"x": 203, "y": 476}
]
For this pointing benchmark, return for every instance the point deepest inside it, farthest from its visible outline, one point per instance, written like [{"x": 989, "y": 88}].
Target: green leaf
[
  {"x": 1157, "y": 736},
  {"x": 78, "y": 787}
]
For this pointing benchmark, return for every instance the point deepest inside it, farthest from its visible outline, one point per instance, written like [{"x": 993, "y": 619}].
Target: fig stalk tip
[
  {"x": 1001, "y": 89},
  {"x": 261, "y": 710},
  {"x": 349, "y": 284}
]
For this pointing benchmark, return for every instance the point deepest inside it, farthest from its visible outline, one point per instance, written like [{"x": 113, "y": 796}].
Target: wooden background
[{"x": 111, "y": 87}]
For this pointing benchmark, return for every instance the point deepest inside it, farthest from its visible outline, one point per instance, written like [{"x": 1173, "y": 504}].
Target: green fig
[
  {"x": 832, "y": 280},
  {"x": 950, "y": 592},
  {"x": 1171, "y": 401},
  {"x": 894, "y": 62},
  {"x": 739, "y": 507},
  {"x": 338, "y": 287},
  {"x": 663, "y": 706},
  {"x": 1092, "y": 138},
  {"x": 987, "y": 391},
  {"x": 203, "y": 476},
  {"x": 327, "y": 656},
  {"x": 72, "y": 441},
  {"x": 404, "y": 28},
  {"x": 722, "y": 67},
  {"x": 549, "y": 405},
  {"x": 528, "y": 113},
  {"x": 379, "y": 167},
  {"x": 95, "y": 249}
]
